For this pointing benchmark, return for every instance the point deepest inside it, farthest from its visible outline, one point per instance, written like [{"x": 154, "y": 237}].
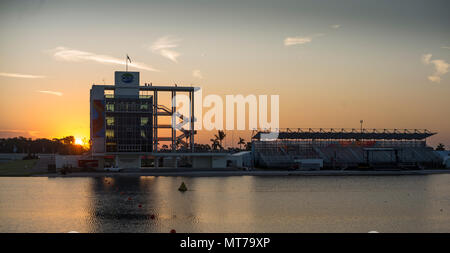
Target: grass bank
[{"x": 17, "y": 168}]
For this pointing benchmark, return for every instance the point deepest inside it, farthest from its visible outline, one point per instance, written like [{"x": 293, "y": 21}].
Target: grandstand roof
[{"x": 349, "y": 134}]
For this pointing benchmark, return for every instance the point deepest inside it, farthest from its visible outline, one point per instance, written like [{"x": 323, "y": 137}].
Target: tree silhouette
[
  {"x": 63, "y": 146},
  {"x": 440, "y": 147},
  {"x": 220, "y": 136},
  {"x": 241, "y": 142},
  {"x": 214, "y": 143},
  {"x": 68, "y": 140}
]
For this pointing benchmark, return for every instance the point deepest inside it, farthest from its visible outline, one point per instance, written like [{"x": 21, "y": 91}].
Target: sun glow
[{"x": 79, "y": 141}]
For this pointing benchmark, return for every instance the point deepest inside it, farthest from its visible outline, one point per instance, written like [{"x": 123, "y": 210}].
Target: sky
[{"x": 333, "y": 63}]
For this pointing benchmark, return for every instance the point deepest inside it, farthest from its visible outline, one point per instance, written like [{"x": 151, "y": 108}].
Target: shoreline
[{"x": 228, "y": 173}]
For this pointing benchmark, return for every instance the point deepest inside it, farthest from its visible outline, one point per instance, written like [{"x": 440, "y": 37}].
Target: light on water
[{"x": 226, "y": 204}]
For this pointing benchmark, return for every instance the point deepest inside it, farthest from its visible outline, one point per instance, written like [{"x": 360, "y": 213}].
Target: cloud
[
  {"x": 435, "y": 79},
  {"x": 164, "y": 46},
  {"x": 197, "y": 74},
  {"x": 290, "y": 41},
  {"x": 440, "y": 67},
  {"x": 335, "y": 26},
  {"x": 20, "y": 75},
  {"x": 446, "y": 47},
  {"x": 73, "y": 55},
  {"x": 8, "y": 133},
  {"x": 426, "y": 58},
  {"x": 56, "y": 93}
]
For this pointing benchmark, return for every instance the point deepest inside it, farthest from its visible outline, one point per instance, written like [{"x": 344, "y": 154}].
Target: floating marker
[
  {"x": 129, "y": 198},
  {"x": 152, "y": 216},
  {"x": 173, "y": 231},
  {"x": 183, "y": 187},
  {"x": 139, "y": 205}
]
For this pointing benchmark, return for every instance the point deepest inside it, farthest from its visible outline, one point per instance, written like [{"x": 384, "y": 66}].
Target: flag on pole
[{"x": 126, "y": 62}]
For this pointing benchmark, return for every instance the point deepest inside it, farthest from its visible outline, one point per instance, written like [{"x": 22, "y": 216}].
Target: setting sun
[{"x": 79, "y": 141}]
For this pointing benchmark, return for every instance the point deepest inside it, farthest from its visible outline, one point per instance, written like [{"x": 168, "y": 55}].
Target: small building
[
  {"x": 209, "y": 160},
  {"x": 241, "y": 159}
]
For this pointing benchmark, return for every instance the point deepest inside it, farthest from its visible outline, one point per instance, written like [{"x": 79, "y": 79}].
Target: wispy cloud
[
  {"x": 440, "y": 67},
  {"x": 17, "y": 132},
  {"x": 17, "y": 75},
  {"x": 56, "y": 93},
  {"x": 298, "y": 40},
  {"x": 426, "y": 58},
  {"x": 68, "y": 54},
  {"x": 446, "y": 47},
  {"x": 335, "y": 26},
  {"x": 197, "y": 74},
  {"x": 164, "y": 46}
]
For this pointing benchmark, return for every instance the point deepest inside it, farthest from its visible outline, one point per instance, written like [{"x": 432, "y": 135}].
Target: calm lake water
[{"x": 226, "y": 204}]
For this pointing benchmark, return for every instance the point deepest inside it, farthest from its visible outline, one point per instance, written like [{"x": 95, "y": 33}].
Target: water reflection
[
  {"x": 44, "y": 204},
  {"x": 226, "y": 204},
  {"x": 123, "y": 204}
]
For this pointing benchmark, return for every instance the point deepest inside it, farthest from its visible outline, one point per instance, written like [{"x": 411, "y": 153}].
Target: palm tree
[
  {"x": 241, "y": 142},
  {"x": 215, "y": 144},
  {"x": 440, "y": 147},
  {"x": 220, "y": 136}
]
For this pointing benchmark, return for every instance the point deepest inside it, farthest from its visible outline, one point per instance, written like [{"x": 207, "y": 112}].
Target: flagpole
[{"x": 126, "y": 62}]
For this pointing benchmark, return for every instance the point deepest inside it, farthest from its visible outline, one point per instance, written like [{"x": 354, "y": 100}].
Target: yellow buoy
[{"x": 182, "y": 187}]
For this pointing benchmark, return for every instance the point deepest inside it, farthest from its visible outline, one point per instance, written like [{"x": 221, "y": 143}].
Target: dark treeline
[{"x": 63, "y": 146}]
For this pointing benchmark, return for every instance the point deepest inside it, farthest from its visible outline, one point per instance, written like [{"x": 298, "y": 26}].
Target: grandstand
[{"x": 345, "y": 148}]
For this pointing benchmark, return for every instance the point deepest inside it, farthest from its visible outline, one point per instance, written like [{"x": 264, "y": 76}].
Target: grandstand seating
[{"x": 283, "y": 153}]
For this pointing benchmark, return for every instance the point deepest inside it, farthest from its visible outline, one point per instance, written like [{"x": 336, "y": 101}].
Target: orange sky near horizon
[{"x": 330, "y": 66}]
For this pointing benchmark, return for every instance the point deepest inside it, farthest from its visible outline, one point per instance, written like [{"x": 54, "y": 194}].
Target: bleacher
[{"x": 282, "y": 153}]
